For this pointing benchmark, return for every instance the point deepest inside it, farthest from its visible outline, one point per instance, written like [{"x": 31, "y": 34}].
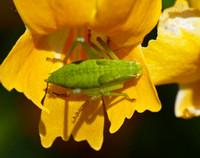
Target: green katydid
[{"x": 94, "y": 77}]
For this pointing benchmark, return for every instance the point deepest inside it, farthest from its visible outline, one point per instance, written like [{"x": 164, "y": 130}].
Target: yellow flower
[
  {"x": 174, "y": 57},
  {"x": 52, "y": 26}
]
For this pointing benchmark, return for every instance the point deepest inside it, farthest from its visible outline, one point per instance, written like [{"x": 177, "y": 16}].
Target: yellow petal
[
  {"x": 26, "y": 68},
  {"x": 18, "y": 71},
  {"x": 175, "y": 55},
  {"x": 126, "y": 22},
  {"x": 46, "y": 16},
  {"x": 119, "y": 108},
  {"x": 188, "y": 100},
  {"x": 194, "y": 3},
  {"x": 59, "y": 122}
]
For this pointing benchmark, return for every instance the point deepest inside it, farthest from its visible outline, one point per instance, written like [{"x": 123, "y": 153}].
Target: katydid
[{"x": 94, "y": 77}]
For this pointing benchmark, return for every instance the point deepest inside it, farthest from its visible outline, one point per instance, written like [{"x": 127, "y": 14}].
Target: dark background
[{"x": 148, "y": 134}]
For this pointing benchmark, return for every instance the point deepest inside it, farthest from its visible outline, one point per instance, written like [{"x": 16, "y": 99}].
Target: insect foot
[
  {"x": 54, "y": 60},
  {"x": 131, "y": 99},
  {"x": 77, "y": 113},
  {"x": 75, "y": 116},
  {"x": 81, "y": 108},
  {"x": 80, "y": 39}
]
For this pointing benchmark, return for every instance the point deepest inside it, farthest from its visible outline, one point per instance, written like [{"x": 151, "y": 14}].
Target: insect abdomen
[{"x": 81, "y": 74}]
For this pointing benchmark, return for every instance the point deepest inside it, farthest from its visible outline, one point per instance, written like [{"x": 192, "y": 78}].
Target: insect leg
[
  {"x": 80, "y": 91},
  {"x": 67, "y": 55},
  {"x": 119, "y": 94},
  {"x": 106, "y": 91},
  {"x": 111, "y": 88},
  {"x": 105, "y": 46},
  {"x": 94, "y": 46},
  {"x": 89, "y": 52},
  {"x": 58, "y": 94},
  {"x": 82, "y": 106},
  {"x": 68, "y": 93}
]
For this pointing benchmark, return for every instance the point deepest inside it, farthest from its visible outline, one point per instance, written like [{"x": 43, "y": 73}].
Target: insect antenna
[
  {"x": 89, "y": 36},
  {"x": 119, "y": 49}
]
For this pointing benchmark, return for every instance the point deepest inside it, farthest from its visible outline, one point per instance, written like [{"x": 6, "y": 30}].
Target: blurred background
[{"x": 148, "y": 134}]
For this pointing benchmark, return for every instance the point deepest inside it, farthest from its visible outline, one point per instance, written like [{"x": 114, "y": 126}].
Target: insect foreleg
[
  {"x": 89, "y": 52},
  {"x": 94, "y": 46},
  {"x": 68, "y": 53},
  {"x": 105, "y": 46}
]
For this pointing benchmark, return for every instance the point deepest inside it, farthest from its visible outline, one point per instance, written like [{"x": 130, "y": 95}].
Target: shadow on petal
[
  {"x": 89, "y": 114},
  {"x": 112, "y": 99}
]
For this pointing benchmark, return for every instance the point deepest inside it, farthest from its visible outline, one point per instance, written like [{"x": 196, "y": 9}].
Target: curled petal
[
  {"x": 26, "y": 68},
  {"x": 23, "y": 65},
  {"x": 119, "y": 108},
  {"x": 174, "y": 57},
  {"x": 188, "y": 100}
]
